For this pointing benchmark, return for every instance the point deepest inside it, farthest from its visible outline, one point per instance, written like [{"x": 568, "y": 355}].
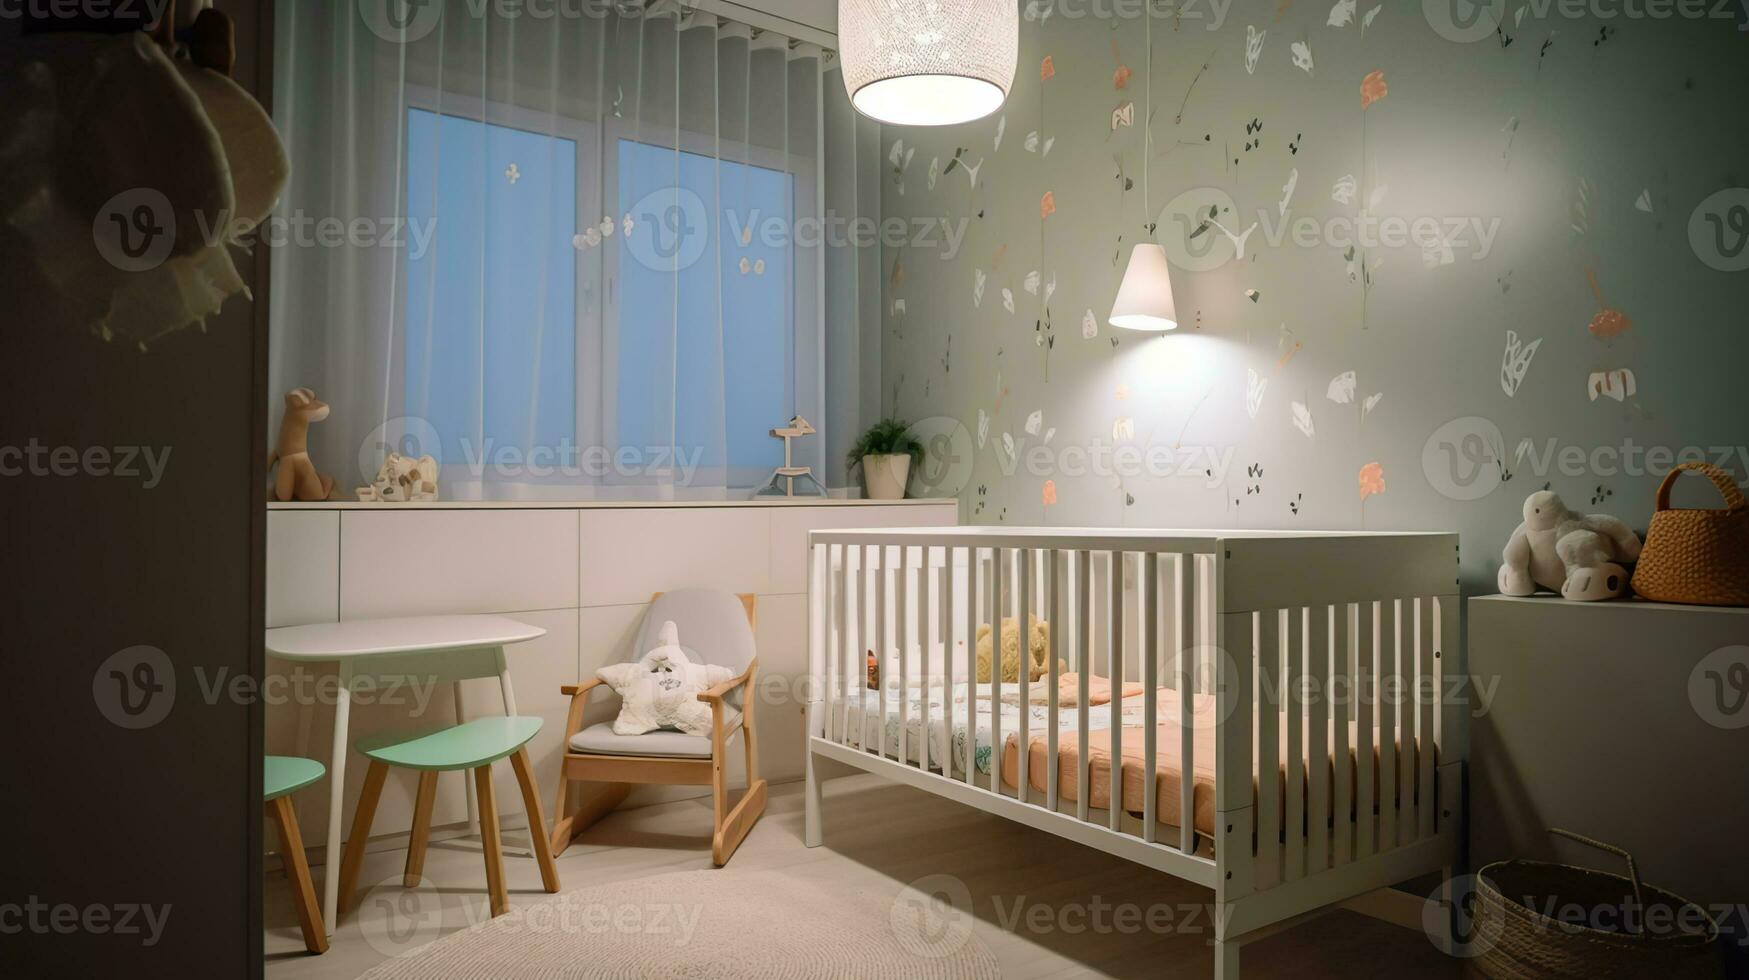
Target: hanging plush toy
[
  {"x": 661, "y": 689},
  {"x": 1578, "y": 555},
  {"x": 129, "y": 165}
]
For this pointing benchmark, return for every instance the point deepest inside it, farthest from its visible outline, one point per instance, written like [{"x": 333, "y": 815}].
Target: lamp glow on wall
[{"x": 928, "y": 62}]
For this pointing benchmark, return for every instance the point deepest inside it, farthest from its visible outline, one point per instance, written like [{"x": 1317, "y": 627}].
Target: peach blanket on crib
[{"x": 1167, "y": 781}]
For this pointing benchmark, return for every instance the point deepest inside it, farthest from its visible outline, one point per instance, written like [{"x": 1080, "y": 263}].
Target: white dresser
[{"x": 1621, "y": 721}]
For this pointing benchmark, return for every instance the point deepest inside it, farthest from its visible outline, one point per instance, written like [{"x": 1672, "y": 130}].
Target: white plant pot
[{"x": 884, "y": 477}]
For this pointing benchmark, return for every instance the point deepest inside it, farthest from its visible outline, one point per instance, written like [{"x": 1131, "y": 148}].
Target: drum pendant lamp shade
[
  {"x": 928, "y": 62},
  {"x": 1144, "y": 301}
]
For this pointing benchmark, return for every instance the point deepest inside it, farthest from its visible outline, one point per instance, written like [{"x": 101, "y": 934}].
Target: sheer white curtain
[{"x": 578, "y": 253}]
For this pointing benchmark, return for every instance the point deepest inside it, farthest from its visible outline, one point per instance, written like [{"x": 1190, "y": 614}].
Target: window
[
  {"x": 477, "y": 327},
  {"x": 729, "y": 387},
  {"x": 676, "y": 342}
]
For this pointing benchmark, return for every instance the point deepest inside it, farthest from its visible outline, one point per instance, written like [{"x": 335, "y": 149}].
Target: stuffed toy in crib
[
  {"x": 661, "y": 689},
  {"x": 1038, "y": 650}
]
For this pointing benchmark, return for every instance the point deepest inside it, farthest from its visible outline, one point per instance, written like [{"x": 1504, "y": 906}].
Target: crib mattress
[{"x": 1168, "y": 780}]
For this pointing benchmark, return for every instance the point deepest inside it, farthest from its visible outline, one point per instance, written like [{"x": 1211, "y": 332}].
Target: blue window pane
[
  {"x": 703, "y": 317},
  {"x": 491, "y": 300}
]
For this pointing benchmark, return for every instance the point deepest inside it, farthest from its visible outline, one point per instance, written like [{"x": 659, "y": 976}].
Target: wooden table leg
[
  {"x": 489, "y": 842},
  {"x": 297, "y": 871},
  {"x": 421, "y": 834},
  {"x": 537, "y": 825}
]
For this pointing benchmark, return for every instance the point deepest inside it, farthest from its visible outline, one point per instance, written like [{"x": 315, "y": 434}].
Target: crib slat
[
  {"x": 1318, "y": 741},
  {"x": 945, "y": 760},
  {"x": 1149, "y": 590},
  {"x": 1025, "y": 677},
  {"x": 1365, "y": 704},
  {"x": 998, "y": 578},
  {"x": 1114, "y": 646},
  {"x": 1269, "y": 688},
  {"x": 1426, "y": 688},
  {"x": 971, "y": 607},
  {"x": 1450, "y": 670},
  {"x": 883, "y": 662},
  {"x": 1342, "y": 711},
  {"x": 1053, "y": 608},
  {"x": 1407, "y": 825},
  {"x": 834, "y": 640},
  {"x": 926, "y": 637},
  {"x": 1187, "y": 625},
  {"x": 1389, "y": 738},
  {"x": 902, "y": 626},
  {"x": 864, "y": 586},
  {"x": 1083, "y": 664},
  {"x": 1295, "y": 867}
]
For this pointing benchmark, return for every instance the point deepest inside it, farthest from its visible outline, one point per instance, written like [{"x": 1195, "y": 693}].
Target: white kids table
[{"x": 440, "y": 648}]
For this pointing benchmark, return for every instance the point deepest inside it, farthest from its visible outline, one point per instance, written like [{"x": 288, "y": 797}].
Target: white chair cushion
[{"x": 599, "y": 739}]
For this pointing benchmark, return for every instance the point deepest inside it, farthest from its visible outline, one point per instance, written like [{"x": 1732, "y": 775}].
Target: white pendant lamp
[
  {"x": 1144, "y": 301},
  {"x": 928, "y": 62}
]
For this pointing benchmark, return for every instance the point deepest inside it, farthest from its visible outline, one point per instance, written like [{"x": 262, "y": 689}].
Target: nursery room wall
[{"x": 1556, "y": 258}]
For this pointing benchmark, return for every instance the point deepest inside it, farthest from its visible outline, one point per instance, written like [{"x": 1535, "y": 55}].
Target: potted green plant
[{"x": 885, "y": 453}]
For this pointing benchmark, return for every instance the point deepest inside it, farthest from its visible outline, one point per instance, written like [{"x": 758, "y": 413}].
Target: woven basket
[
  {"x": 1697, "y": 556},
  {"x": 1529, "y": 945}
]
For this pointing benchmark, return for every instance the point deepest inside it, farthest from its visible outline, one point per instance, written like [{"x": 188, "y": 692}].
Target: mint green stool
[
  {"x": 471, "y": 745},
  {"x": 282, "y": 776}
]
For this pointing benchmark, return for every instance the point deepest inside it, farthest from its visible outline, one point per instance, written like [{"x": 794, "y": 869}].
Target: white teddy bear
[
  {"x": 1577, "y": 555},
  {"x": 660, "y": 690}
]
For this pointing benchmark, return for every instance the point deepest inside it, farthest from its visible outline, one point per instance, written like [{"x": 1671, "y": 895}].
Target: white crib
[{"x": 1204, "y": 620}]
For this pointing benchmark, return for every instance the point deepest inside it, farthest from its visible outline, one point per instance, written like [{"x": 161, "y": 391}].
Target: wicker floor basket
[{"x": 1664, "y": 935}]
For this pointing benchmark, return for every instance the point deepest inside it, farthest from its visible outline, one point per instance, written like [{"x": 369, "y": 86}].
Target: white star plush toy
[{"x": 660, "y": 690}]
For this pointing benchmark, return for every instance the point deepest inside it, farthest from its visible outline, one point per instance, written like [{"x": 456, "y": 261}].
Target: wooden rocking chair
[{"x": 716, "y": 628}]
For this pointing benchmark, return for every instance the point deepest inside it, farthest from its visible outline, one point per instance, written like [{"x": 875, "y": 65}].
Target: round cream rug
[{"x": 711, "y": 924}]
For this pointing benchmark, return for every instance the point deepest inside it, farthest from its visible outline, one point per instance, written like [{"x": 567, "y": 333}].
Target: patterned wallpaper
[{"x": 1424, "y": 264}]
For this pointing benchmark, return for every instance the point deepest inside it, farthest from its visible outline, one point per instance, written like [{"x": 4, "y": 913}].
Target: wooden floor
[{"x": 1047, "y": 907}]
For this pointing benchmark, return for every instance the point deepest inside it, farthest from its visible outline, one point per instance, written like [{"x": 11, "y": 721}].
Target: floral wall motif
[{"x": 1423, "y": 266}]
